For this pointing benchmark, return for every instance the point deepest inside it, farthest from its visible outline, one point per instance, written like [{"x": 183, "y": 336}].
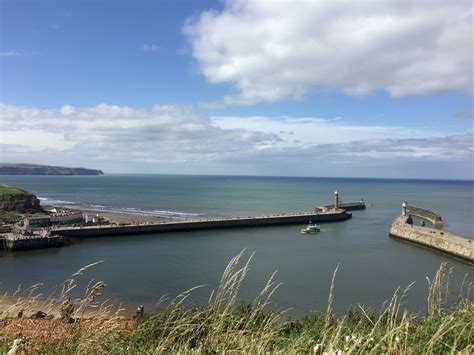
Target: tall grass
[{"x": 225, "y": 325}]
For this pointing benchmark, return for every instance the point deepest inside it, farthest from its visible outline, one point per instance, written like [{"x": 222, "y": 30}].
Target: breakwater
[
  {"x": 217, "y": 223},
  {"x": 432, "y": 238},
  {"x": 434, "y": 218},
  {"x": 348, "y": 206},
  {"x": 13, "y": 242}
]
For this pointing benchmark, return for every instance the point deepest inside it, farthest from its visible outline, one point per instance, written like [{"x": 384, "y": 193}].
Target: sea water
[{"x": 140, "y": 269}]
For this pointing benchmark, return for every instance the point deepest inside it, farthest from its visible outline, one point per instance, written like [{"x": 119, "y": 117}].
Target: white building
[{"x": 66, "y": 217}]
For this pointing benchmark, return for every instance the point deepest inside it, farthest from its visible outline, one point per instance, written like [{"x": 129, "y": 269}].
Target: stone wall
[
  {"x": 438, "y": 240},
  {"x": 185, "y": 226},
  {"x": 434, "y": 218},
  {"x": 25, "y": 243}
]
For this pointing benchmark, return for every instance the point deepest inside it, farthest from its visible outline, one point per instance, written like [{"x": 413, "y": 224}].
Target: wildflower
[
  {"x": 397, "y": 339},
  {"x": 15, "y": 347},
  {"x": 316, "y": 348},
  {"x": 347, "y": 338}
]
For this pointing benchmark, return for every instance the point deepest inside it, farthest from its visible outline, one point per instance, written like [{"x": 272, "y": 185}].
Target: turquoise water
[{"x": 141, "y": 269}]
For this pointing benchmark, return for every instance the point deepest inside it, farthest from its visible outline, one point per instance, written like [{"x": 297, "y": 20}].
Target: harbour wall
[
  {"x": 20, "y": 243},
  {"x": 438, "y": 240},
  {"x": 432, "y": 217},
  {"x": 187, "y": 226},
  {"x": 348, "y": 206}
]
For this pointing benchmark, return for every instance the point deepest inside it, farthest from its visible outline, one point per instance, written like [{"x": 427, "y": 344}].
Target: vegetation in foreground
[{"x": 225, "y": 325}]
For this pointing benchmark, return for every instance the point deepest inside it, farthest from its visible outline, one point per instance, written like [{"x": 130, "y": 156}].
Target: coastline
[
  {"x": 127, "y": 217},
  {"x": 119, "y": 217}
]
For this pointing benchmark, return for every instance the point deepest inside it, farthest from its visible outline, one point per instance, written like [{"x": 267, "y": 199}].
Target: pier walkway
[
  {"x": 348, "y": 206},
  {"x": 432, "y": 238},
  {"x": 204, "y": 224}
]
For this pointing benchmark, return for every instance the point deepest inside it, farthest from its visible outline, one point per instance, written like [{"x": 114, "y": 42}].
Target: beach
[{"x": 126, "y": 218}]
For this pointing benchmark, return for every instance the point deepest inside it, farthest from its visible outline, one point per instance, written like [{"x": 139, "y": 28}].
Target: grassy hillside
[
  {"x": 8, "y": 190},
  {"x": 15, "y": 201},
  {"x": 226, "y": 326}
]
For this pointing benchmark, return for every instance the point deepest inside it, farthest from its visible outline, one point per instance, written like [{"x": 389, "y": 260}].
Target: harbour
[{"x": 140, "y": 268}]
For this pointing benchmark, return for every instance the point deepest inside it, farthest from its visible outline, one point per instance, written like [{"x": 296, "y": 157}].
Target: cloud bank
[
  {"x": 276, "y": 50},
  {"x": 178, "y": 139}
]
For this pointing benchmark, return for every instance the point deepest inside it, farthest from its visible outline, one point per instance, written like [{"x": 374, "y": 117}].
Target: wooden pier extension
[{"x": 216, "y": 223}]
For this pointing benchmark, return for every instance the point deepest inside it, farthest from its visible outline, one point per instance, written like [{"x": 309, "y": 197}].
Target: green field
[{"x": 8, "y": 190}]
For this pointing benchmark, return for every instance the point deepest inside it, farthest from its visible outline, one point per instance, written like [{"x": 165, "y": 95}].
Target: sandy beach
[
  {"x": 119, "y": 217},
  {"x": 126, "y": 218}
]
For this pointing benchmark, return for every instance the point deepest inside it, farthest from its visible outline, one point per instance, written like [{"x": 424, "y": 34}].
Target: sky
[{"x": 258, "y": 87}]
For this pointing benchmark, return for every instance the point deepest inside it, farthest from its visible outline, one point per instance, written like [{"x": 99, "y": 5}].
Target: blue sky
[{"x": 248, "y": 73}]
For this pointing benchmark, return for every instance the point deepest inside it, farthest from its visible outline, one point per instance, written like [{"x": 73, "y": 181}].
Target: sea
[{"x": 141, "y": 269}]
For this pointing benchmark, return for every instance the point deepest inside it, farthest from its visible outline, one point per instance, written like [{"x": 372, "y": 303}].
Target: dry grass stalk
[
  {"x": 223, "y": 326},
  {"x": 331, "y": 298}
]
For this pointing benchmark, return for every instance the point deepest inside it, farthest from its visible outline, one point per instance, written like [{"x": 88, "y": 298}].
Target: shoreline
[
  {"x": 11, "y": 305},
  {"x": 127, "y": 217},
  {"x": 119, "y": 217}
]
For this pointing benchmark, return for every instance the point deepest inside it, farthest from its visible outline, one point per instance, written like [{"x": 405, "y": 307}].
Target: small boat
[{"x": 311, "y": 229}]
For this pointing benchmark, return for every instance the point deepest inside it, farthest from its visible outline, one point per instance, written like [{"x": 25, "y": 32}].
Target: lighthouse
[
  {"x": 336, "y": 200},
  {"x": 404, "y": 208}
]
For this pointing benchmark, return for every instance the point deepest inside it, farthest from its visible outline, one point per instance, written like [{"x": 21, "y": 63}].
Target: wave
[
  {"x": 51, "y": 201},
  {"x": 129, "y": 210}
]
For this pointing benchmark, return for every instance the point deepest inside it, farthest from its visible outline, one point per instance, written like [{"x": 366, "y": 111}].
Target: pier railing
[{"x": 433, "y": 217}]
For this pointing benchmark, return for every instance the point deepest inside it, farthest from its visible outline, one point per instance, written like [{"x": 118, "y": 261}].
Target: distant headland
[{"x": 36, "y": 169}]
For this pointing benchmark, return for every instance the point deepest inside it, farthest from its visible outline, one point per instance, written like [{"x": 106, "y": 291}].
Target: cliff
[
  {"x": 18, "y": 200},
  {"x": 34, "y": 169}
]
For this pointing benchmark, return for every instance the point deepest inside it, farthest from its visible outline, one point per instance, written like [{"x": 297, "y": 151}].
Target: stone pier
[
  {"x": 12, "y": 242},
  {"x": 432, "y": 238},
  {"x": 207, "y": 224}
]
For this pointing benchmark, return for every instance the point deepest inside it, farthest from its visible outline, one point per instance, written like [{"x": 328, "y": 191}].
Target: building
[
  {"x": 93, "y": 219},
  {"x": 33, "y": 222},
  {"x": 66, "y": 216}
]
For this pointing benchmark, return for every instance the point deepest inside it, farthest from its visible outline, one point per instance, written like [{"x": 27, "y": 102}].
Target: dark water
[{"x": 141, "y": 269}]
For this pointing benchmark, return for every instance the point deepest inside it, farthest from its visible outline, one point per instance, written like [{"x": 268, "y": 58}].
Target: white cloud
[
  {"x": 14, "y": 54},
  {"x": 150, "y": 47},
  {"x": 275, "y": 50},
  {"x": 179, "y": 139},
  {"x": 311, "y": 130},
  {"x": 108, "y": 132},
  {"x": 465, "y": 114}
]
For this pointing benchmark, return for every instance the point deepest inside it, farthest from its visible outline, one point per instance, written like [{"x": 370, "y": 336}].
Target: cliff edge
[
  {"x": 17, "y": 200},
  {"x": 35, "y": 169}
]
